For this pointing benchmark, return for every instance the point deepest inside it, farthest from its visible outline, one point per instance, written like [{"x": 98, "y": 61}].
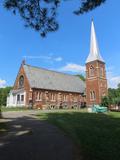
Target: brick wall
[
  {"x": 48, "y": 98},
  {"x": 60, "y": 100},
  {"x": 96, "y": 82},
  {"x": 26, "y": 85}
]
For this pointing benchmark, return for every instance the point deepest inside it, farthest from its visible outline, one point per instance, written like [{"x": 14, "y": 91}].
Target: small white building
[{"x": 16, "y": 98}]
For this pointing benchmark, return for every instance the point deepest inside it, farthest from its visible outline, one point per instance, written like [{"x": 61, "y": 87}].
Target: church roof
[
  {"x": 51, "y": 80},
  {"x": 94, "y": 49}
]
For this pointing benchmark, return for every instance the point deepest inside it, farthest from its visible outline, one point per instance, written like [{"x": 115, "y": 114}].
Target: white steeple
[{"x": 94, "y": 49}]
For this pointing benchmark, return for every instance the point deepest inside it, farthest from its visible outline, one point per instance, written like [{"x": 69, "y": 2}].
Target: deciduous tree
[
  {"x": 3, "y": 95},
  {"x": 81, "y": 77}
]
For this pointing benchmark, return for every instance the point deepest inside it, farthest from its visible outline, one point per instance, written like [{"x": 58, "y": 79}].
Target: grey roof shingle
[{"x": 52, "y": 80}]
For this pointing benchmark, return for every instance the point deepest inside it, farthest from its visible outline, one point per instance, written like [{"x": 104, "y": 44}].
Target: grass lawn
[{"x": 97, "y": 135}]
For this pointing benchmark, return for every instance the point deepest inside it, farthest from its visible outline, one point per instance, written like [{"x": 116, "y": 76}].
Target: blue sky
[{"x": 65, "y": 50}]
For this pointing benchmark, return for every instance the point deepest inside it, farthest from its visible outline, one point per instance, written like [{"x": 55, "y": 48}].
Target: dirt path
[{"x": 31, "y": 139}]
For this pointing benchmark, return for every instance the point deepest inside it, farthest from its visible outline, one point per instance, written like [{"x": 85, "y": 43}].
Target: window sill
[
  {"x": 39, "y": 100},
  {"x": 92, "y": 99},
  {"x": 53, "y": 100}
]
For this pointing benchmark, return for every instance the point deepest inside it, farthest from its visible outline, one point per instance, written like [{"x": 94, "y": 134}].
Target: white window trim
[
  {"x": 53, "y": 97},
  {"x": 38, "y": 96},
  {"x": 65, "y": 97}
]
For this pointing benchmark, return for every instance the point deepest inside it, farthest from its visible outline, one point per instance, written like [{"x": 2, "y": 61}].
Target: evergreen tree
[{"x": 41, "y": 15}]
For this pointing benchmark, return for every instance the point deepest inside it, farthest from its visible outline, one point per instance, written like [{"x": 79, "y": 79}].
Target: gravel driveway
[{"x": 31, "y": 139}]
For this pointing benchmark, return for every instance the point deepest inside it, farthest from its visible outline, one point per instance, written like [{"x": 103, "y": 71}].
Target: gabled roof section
[
  {"x": 51, "y": 80},
  {"x": 94, "y": 49}
]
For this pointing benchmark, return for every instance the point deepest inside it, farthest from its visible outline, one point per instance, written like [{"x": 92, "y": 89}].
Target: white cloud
[
  {"x": 2, "y": 83},
  {"x": 72, "y": 67},
  {"x": 58, "y": 59},
  {"x": 113, "y": 79},
  {"x": 46, "y": 58}
]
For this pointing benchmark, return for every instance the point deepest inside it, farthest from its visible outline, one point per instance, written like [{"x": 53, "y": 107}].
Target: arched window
[
  {"x": 21, "y": 81},
  {"x": 65, "y": 97},
  {"x": 38, "y": 96},
  {"x": 92, "y": 95},
  {"x": 53, "y": 96},
  {"x": 91, "y": 71}
]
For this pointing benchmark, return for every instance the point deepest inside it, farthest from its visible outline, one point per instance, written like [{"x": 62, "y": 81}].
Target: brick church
[{"x": 45, "y": 89}]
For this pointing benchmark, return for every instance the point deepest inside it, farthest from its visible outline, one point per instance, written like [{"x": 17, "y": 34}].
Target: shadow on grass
[{"x": 97, "y": 135}]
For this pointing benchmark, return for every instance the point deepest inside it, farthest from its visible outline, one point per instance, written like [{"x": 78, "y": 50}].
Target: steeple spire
[{"x": 94, "y": 49}]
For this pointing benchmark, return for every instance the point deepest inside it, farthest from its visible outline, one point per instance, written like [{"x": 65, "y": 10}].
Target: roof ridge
[{"x": 51, "y": 70}]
